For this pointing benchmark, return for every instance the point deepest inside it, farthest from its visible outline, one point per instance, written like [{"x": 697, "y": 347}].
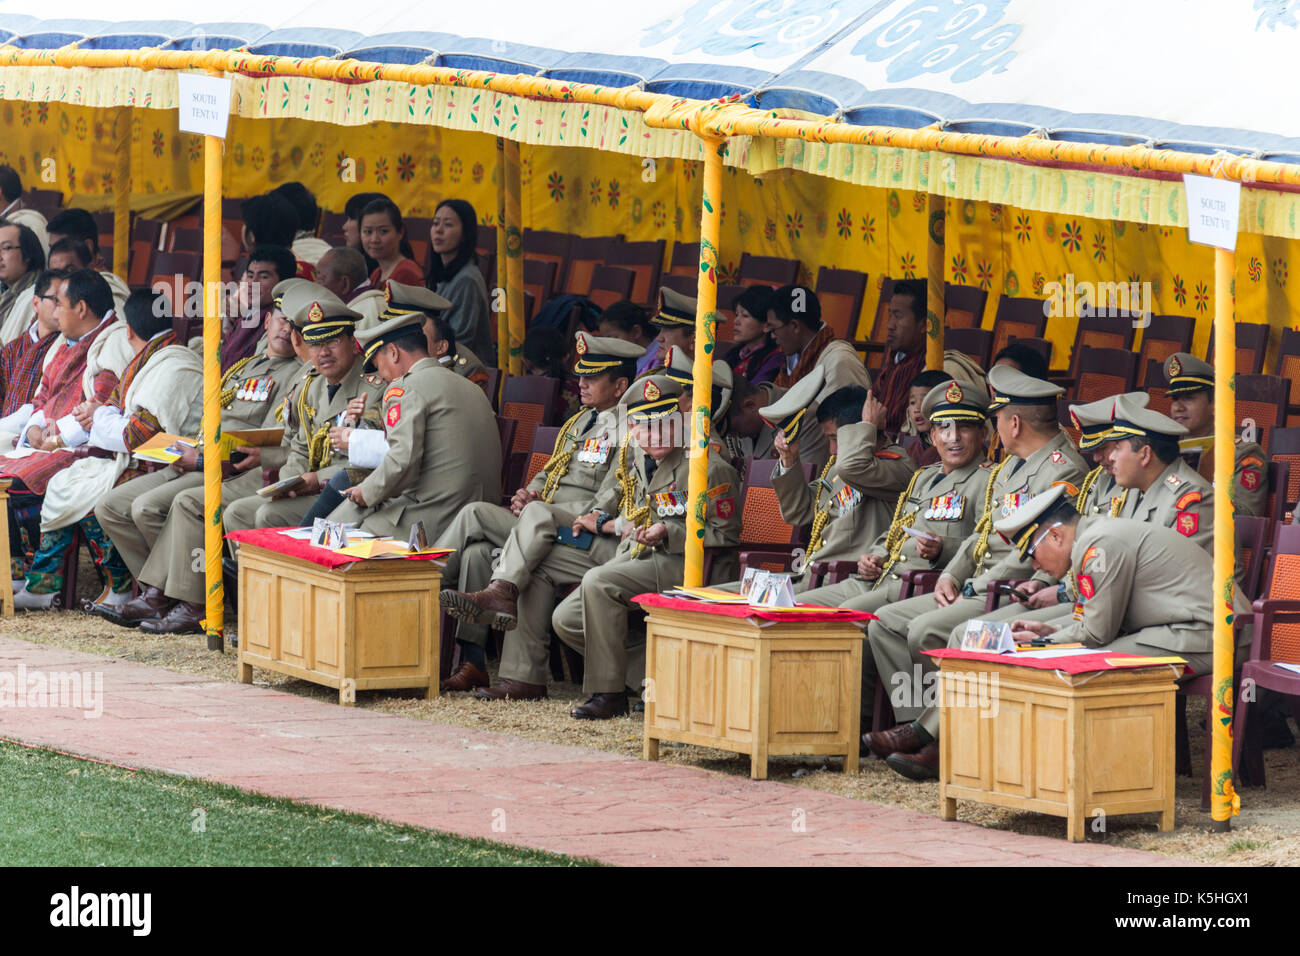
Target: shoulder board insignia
[
  {"x": 1252, "y": 461},
  {"x": 1071, "y": 490},
  {"x": 1188, "y": 499},
  {"x": 395, "y": 392},
  {"x": 1057, "y": 457},
  {"x": 891, "y": 455},
  {"x": 719, "y": 490},
  {"x": 374, "y": 380},
  {"x": 1173, "y": 481},
  {"x": 986, "y": 464}
]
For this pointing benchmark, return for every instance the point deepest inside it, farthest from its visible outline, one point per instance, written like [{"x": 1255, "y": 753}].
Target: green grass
[{"x": 64, "y": 811}]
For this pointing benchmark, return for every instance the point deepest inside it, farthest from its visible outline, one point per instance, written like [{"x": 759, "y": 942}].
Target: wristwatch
[{"x": 601, "y": 520}]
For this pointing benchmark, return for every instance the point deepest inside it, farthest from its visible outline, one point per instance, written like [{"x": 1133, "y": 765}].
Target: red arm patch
[
  {"x": 394, "y": 414},
  {"x": 1187, "y": 523},
  {"x": 1188, "y": 499},
  {"x": 1251, "y": 478},
  {"x": 1086, "y": 587}
]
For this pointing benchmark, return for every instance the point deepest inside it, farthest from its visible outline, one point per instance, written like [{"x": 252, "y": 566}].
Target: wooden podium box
[
  {"x": 369, "y": 626},
  {"x": 1065, "y": 744},
  {"x": 763, "y": 688}
]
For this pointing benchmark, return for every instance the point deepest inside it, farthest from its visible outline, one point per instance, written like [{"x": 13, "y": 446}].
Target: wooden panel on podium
[
  {"x": 1071, "y": 745},
  {"x": 780, "y": 689},
  {"x": 371, "y": 625}
]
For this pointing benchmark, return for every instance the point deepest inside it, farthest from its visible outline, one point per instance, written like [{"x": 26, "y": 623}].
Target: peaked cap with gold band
[
  {"x": 1185, "y": 374},
  {"x": 284, "y": 287},
  {"x": 789, "y": 413},
  {"x": 955, "y": 401},
  {"x": 407, "y": 326},
  {"x": 651, "y": 399},
  {"x": 1094, "y": 419},
  {"x": 1013, "y": 387},
  {"x": 675, "y": 310},
  {"x": 402, "y": 299},
  {"x": 596, "y": 355},
  {"x": 317, "y": 313},
  {"x": 680, "y": 367},
  {"x": 1133, "y": 419},
  {"x": 1022, "y": 527}
]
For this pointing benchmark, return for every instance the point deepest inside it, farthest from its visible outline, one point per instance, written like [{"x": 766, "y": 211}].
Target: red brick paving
[{"x": 477, "y": 783}]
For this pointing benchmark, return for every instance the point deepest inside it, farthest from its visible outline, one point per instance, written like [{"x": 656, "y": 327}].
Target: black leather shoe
[
  {"x": 922, "y": 765},
  {"x": 601, "y": 707}
]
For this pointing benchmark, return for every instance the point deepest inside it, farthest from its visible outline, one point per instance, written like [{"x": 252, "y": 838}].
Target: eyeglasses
[
  {"x": 48, "y": 298},
  {"x": 1034, "y": 547},
  {"x": 10, "y": 247}
]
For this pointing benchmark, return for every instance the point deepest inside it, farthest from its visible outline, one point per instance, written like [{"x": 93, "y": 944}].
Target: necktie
[
  {"x": 651, "y": 466},
  {"x": 332, "y": 390}
]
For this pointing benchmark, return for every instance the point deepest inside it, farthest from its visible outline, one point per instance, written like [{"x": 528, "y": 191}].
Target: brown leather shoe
[
  {"x": 922, "y": 765},
  {"x": 465, "y": 677},
  {"x": 902, "y": 739},
  {"x": 507, "y": 689},
  {"x": 149, "y": 605},
  {"x": 494, "y": 606},
  {"x": 184, "y": 618},
  {"x": 601, "y": 707}
]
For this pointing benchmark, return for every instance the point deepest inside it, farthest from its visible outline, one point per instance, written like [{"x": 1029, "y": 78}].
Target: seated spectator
[
  {"x": 1022, "y": 357},
  {"x": 11, "y": 187},
  {"x": 22, "y": 359},
  {"x": 382, "y": 234},
  {"x": 21, "y": 260},
  {"x": 267, "y": 267},
  {"x": 305, "y": 245},
  {"x": 675, "y": 322},
  {"x": 904, "y": 357},
  {"x": 794, "y": 317},
  {"x": 454, "y": 275},
  {"x": 343, "y": 271},
  {"x": 69, "y": 255},
  {"x": 628, "y": 321},
  {"x": 271, "y": 220},
  {"x": 917, "y": 441},
  {"x": 352, "y": 227},
  {"x": 547, "y": 353},
  {"x": 80, "y": 226},
  {"x": 754, "y": 353}
]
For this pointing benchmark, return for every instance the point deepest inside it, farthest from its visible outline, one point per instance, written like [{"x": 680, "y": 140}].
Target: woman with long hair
[
  {"x": 754, "y": 354},
  {"x": 382, "y": 233},
  {"x": 454, "y": 275}
]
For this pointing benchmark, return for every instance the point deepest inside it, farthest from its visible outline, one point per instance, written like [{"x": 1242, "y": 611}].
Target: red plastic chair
[
  {"x": 840, "y": 293},
  {"x": 963, "y": 306},
  {"x": 1018, "y": 318}
]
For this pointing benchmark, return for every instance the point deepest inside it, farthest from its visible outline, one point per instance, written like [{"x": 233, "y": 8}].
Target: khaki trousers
[
  {"x": 133, "y": 513},
  {"x": 254, "y": 511}
]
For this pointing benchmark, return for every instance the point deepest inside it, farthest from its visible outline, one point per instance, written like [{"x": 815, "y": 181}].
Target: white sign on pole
[
  {"x": 204, "y": 104},
  {"x": 1213, "y": 206}
]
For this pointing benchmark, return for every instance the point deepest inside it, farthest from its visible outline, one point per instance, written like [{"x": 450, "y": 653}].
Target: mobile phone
[
  {"x": 581, "y": 541},
  {"x": 1015, "y": 592}
]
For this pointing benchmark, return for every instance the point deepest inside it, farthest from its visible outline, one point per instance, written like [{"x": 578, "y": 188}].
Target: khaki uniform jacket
[
  {"x": 1179, "y": 499},
  {"x": 582, "y": 479},
  {"x": 860, "y": 491},
  {"x": 323, "y": 412},
  {"x": 946, "y": 506},
  {"x": 1249, "y": 473},
  {"x": 842, "y": 366},
  {"x": 437, "y": 460},
  {"x": 1138, "y": 576},
  {"x": 259, "y": 386},
  {"x": 721, "y": 519},
  {"x": 467, "y": 365},
  {"x": 1103, "y": 495},
  {"x": 1016, "y": 481}
]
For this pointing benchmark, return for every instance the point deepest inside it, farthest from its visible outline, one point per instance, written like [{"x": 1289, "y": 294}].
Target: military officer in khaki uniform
[
  {"x": 141, "y": 516},
  {"x": 428, "y": 467},
  {"x": 940, "y": 501},
  {"x": 442, "y": 346},
  {"x": 1191, "y": 395},
  {"x": 1039, "y": 456},
  {"x": 1147, "y": 590},
  {"x": 585, "y": 453},
  {"x": 326, "y": 326},
  {"x": 649, "y": 511},
  {"x": 1157, "y": 485},
  {"x": 1098, "y": 492}
]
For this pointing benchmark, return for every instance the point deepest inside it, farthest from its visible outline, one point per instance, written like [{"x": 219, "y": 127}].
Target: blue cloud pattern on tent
[
  {"x": 764, "y": 28},
  {"x": 937, "y": 36}
]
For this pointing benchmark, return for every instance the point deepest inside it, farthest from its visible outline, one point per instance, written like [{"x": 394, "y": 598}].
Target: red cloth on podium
[
  {"x": 1070, "y": 664},
  {"x": 272, "y": 540},
  {"x": 822, "y": 614}
]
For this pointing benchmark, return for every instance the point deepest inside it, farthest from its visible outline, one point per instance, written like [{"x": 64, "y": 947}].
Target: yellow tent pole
[
  {"x": 514, "y": 261},
  {"x": 1223, "y": 799},
  {"x": 122, "y": 193},
  {"x": 706, "y": 324},
  {"x": 934, "y": 277},
  {"x": 502, "y": 277},
  {"x": 214, "y": 624}
]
